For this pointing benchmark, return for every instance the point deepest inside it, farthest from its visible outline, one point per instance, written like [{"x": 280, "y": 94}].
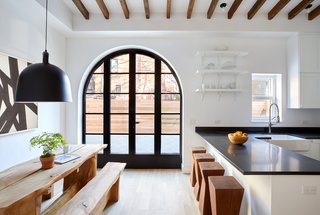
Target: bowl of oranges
[{"x": 238, "y": 137}]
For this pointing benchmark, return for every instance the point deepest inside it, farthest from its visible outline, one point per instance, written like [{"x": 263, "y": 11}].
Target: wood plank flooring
[{"x": 154, "y": 192}]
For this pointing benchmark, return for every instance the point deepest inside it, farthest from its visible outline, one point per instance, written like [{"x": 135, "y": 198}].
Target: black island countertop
[{"x": 258, "y": 157}]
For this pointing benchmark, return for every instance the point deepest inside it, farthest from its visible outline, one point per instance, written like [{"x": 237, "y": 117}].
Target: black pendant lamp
[{"x": 43, "y": 82}]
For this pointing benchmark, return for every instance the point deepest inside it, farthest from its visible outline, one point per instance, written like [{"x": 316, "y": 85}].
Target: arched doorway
[{"x": 132, "y": 101}]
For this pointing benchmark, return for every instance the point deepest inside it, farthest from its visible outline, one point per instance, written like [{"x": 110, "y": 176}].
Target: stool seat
[
  {"x": 207, "y": 169},
  {"x": 198, "y": 158},
  {"x": 195, "y": 150},
  {"x": 225, "y": 195}
]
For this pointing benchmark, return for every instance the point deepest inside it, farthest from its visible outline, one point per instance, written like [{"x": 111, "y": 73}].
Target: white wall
[
  {"x": 22, "y": 36},
  {"x": 266, "y": 55}
]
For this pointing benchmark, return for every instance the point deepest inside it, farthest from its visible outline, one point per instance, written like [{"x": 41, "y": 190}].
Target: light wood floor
[{"x": 154, "y": 192}]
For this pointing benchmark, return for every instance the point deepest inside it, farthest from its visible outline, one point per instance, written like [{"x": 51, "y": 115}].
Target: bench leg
[
  {"x": 30, "y": 205},
  {"x": 114, "y": 191}
]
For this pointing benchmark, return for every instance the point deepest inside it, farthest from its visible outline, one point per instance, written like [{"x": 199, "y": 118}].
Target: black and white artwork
[{"x": 14, "y": 116}]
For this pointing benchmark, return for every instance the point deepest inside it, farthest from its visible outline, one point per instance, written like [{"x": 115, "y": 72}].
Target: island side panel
[{"x": 295, "y": 194}]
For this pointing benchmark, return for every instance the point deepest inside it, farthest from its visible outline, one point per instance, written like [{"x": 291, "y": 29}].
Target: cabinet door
[
  {"x": 309, "y": 53},
  {"x": 309, "y": 90}
]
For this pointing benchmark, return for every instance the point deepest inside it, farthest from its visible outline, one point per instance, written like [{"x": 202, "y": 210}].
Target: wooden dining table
[{"x": 22, "y": 187}]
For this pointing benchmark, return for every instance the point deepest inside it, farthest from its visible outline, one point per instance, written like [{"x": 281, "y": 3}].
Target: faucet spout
[{"x": 277, "y": 116}]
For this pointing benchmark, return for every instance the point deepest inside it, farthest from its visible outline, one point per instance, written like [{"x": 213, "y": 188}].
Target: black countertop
[{"x": 258, "y": 157}]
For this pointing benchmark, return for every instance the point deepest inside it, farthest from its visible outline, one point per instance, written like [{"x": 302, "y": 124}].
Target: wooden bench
[{"x": 93, "y": 197}]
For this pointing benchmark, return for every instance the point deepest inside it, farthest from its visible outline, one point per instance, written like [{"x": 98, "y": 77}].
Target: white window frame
[{"x": 275, "y": 96}]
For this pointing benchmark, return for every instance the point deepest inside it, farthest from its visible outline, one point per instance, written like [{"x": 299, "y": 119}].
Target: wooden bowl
[{"x": 237, "y": 139}]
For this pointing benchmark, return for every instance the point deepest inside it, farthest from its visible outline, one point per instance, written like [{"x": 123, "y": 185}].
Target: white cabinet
[
  {"x": 304, "y": 71},
  {"x": 219, "y": 71}
]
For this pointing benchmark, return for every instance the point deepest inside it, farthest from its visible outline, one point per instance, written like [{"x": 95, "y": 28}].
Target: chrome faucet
[{"x": 277, "y": 116}]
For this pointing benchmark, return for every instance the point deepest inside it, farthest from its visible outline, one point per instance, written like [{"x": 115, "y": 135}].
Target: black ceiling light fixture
[{"x": 43, "y": 82}]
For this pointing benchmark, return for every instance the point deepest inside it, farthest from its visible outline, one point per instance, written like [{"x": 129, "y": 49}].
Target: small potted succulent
[{"x": 48, "y": 142}]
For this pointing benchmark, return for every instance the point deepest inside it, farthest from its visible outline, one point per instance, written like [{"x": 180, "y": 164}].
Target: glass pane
[
  {"x": 94, "y": 139},
  {"x": 144, "y": 83},
  {"x": 165, "y": 68},
  {"x": 144, "y": 103},
  {"x": 119, "y": 123},
  {"x": 100, "y": 69},
  {"x": 144, "y": 144},
  {"x": 119, "y": 103},
  {"x": 94, "y": 103},
  {"x": 96, "y": 84},
  {"x": 94, "y": 123},
  {"x": 144, "y": 64},
  {"x": 170, "y": 144},
  {"x": 170, "y": 103},
  {"x": 169, "y": 84},
  {"x": 144, "y": 124},
  {"x": 261, "y": 87},
  {"x": 119, "y": 144},
  {"x": 120, "y": 64},
  {"x": 119, "y": 83},
  {"x": 170, "y": 123},
  {"x": 260, "y": 108}
]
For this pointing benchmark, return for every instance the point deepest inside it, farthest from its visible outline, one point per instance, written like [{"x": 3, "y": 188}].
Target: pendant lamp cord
[{"x": 46, "y": 32}]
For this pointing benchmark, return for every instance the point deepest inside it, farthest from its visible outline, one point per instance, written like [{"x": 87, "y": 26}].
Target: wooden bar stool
[
  {"x": 200, "y": 157},
  {"x": 193, "y": 171},
  {"x": 207, "y": 169},
  {"x": 225, "y": 195}
]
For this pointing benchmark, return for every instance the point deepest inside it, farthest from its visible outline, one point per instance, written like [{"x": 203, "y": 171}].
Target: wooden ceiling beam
[
  {"x": 124, "y": 8},
  {"x": 168, "y": 9},
  {"x": 103, "y": 8},
  {"x": 190, "y": 8},
  {"x": 255, "y": 8},
  {"x": 297, "y": 9},
  {"x": 211, "y": 8},
  {"x": 83, "y": 10},
  {"x": 146, "y": 8},
  {"x": 276, "y": 9},
  {"x": 314, "y": 13},
  {"x": 233, "y": 8}
]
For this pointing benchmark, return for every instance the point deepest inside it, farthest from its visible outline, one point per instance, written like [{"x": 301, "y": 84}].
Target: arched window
[{"x": 133, "y": 102}]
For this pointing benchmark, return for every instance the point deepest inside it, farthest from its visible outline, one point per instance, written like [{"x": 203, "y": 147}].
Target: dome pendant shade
[{"x": 43, "y": 82}]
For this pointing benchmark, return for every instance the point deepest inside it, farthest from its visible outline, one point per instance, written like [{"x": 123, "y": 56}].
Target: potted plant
[{"x": 48, "y": 142}]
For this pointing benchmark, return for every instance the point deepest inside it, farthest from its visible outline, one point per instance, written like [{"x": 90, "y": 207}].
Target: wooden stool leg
[
  {"x": 207, "y": 169},
  {"x": 195, "y": 150},
  {"x": 226, "y": 195},
  {"x": 198, "y": 182}
]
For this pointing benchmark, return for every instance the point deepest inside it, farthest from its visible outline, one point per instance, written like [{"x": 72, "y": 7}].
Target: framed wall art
[{"x": 14, "y": 116}]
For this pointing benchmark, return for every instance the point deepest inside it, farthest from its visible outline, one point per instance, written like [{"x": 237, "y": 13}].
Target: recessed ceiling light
[
  {"x": 308, "y": 6},
  {"x": 223, "y": 5}
]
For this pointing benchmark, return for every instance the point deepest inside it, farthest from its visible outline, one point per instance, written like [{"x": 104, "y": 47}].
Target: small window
[{"x": 266, "y": 89}]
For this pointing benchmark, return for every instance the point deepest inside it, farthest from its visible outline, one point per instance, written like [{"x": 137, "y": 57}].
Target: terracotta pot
[{"x": 47, "y": 162}]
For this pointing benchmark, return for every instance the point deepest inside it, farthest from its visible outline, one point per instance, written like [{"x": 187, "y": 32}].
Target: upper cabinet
[{"x": 304, "y": 71}]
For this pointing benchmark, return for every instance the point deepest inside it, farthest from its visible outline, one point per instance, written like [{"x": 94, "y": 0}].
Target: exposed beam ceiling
[
  {"x": 146, "y": 8},
  {"x": 252, "y": 6},
  {"x": 103, "y": 8},
  {"x": 295, "y": 11},
  {"x": 255, "y": 8},
  {"x": 313, "y": 14},
  {"x": 211, "y": 8},
  {"x": 277, "y": 8},
  {"x": 234, "y": 8},
  {"x": 190, "y": 8},
  {"x": 81, "y": 8}
]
